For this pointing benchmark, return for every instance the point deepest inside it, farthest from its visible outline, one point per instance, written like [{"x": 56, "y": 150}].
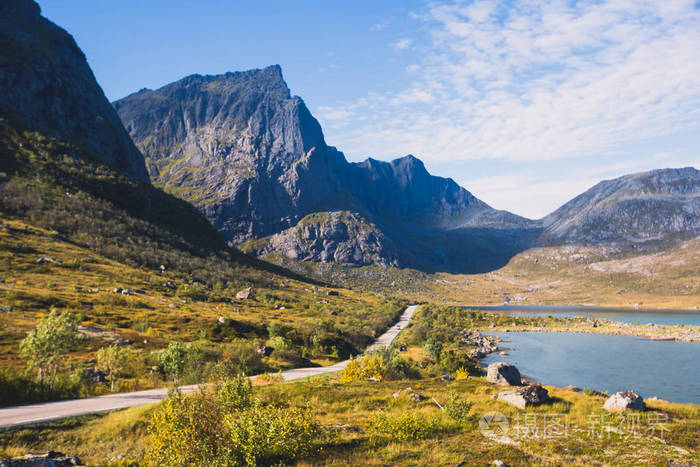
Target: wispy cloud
[
  {"x": 533, "y": 81},
  {"x": 402, "y": 44}
]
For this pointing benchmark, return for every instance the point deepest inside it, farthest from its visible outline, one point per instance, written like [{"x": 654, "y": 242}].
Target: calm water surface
[
  {"x": 666, "y": 369},
  {"x": 625, "y": 315}
]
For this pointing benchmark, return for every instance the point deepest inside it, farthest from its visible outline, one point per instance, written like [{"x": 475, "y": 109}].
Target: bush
[
  {"x": 265, "y": 435},
  {"x": 433, "y": 348},
  {"x": 458, "y": 410},
  {"x": 461, "y": 374},
  {"x": 186, "y": 430},
  {"x": 406, "y": 426},
  {"x": 235, "y": 393},
  {"x": 199, "y": 430},
  {"x": 452, "y": 361},
  {"x": 241, "y": 357},
  {"x": 382, "y": 364},
  {"x": 362, "y": 368}
]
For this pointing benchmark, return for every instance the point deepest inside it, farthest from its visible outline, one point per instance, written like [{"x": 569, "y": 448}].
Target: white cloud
[
  {"x": 534, "y": 81},
  {"x": 402, "y": 44}
]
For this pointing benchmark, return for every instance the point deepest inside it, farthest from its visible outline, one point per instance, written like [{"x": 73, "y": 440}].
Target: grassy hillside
[
  {"x": 102, "y": 231},
  {"x": 654, "y": 276},
  {"x": 361, "y": 422}
]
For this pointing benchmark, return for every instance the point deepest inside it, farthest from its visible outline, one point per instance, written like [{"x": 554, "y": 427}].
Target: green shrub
[
  {"x": 433, "y": 348},
  {"x": 458, "y": 409},
  {"x": 452, "y": 361},
  {"x": 199, "y": 430},
  {"x": 263, "y": 435},
  {"x": 406, "y": 426},
  {"x": 235, "y": 393},
  {"x": 241, "y": 357}
]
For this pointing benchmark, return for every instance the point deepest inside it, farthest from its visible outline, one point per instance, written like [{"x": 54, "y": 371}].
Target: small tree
[
  {"x": 43, "y": 347},
  {"x": 173, "y": 359},
  {"x": 112, "y": 361},
  {"x": 433, "y": 348}
]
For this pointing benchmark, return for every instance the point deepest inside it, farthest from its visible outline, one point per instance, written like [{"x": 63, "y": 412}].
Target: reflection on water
[{"x": 667, "y": 369}]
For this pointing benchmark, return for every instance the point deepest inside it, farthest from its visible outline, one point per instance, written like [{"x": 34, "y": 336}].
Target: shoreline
[
  {"x": 505, "y": 307},
  {"x": 653, "y": 332}
]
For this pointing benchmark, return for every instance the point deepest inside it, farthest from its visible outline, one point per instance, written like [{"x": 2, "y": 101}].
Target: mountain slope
[
  {"x": 47, "y": 85},
  {"x": 69, "y": 166},
  {"x": 254, "y": 161},
  {"x": 640, "y": 207}
]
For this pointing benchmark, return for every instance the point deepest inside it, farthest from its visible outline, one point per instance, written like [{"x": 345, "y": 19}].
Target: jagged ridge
[{"x": 254, "y": 160}]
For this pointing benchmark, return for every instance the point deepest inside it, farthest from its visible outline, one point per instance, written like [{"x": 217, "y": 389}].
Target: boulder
[
  {"x": 264, "y": 350},
  {"x": 415, "y": 397},
  {"x": 333, "y": 293},
  {"x": 45, "y": 259},
  {"x": 117, "y": 290},
  {"x": 573, "y": 388},
  {"x": 244, "y": 294},
  {"x": 397, "y": 394},
  {"x": 50, "y": 459},
  {"x": 503, "y": 373},
  {"x": 620, "y": 401},
  {"x": 533, "y": 394},
  {"x": 6, "y": 309},
  {"x": 95, "y": 376},
  {"x": 446, "y": 378}
]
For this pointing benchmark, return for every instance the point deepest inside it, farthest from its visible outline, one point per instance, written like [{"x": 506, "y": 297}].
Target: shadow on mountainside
[{"x": 462, "y": 251}]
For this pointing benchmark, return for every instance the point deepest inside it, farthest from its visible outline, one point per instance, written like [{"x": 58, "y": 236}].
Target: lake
[
  {"x": 666, "y": 369},
  {"x": 625, "y": 315}
]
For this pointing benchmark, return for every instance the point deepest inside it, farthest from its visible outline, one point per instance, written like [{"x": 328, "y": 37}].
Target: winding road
[{"x": 36, "y": 413}]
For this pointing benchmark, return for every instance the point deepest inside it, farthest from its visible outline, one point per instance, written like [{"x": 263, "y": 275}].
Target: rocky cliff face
[
  {"x": 635, "y": 208},
  {"x": 341, "y": 237},
  {"x": 238, "y": 146},
  {"x": 47, "y": 85},
  {"x": 252, "y": 158}
]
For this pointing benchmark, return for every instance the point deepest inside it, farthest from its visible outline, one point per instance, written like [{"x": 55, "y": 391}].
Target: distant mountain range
[
  {"x": 251, "y": 158},
  {"x": 254, "y": 160}
]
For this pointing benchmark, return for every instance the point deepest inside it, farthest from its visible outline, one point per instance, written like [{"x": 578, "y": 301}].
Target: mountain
[
  {"x": 47, "y": 85},
  {"x": 253, "y": 159},
  {"x": 69, "y": 166},
  {"x": 641, "y": 207}
]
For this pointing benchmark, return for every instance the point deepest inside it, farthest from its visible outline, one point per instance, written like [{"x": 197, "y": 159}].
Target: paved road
[{"x": 22, "y": 415}]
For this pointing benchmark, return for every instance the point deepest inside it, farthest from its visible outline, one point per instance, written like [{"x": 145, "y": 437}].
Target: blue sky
[{"x": 525, "y": 103}]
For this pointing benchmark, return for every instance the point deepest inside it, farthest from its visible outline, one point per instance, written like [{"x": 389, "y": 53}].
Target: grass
[
  {"x": 663, "y": 277},
  {"x": 352, "y": 410},
  {"x": 104, "y": 231},
  {"x": 365, "y": 424},
  {"x": 321, "y": 328}
]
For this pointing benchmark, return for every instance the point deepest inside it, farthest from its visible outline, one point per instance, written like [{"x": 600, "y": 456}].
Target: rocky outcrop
[
  {"x": 46, "y": 85},
  {"x": 341, "y": 237},
  {"x": 635, "y": 208},
  {"x": 503, "y": 374},
  {"x": 526, "y": 396},
  {"x": 620, "y": 401},
  {"x": 49, "y": 459}
]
